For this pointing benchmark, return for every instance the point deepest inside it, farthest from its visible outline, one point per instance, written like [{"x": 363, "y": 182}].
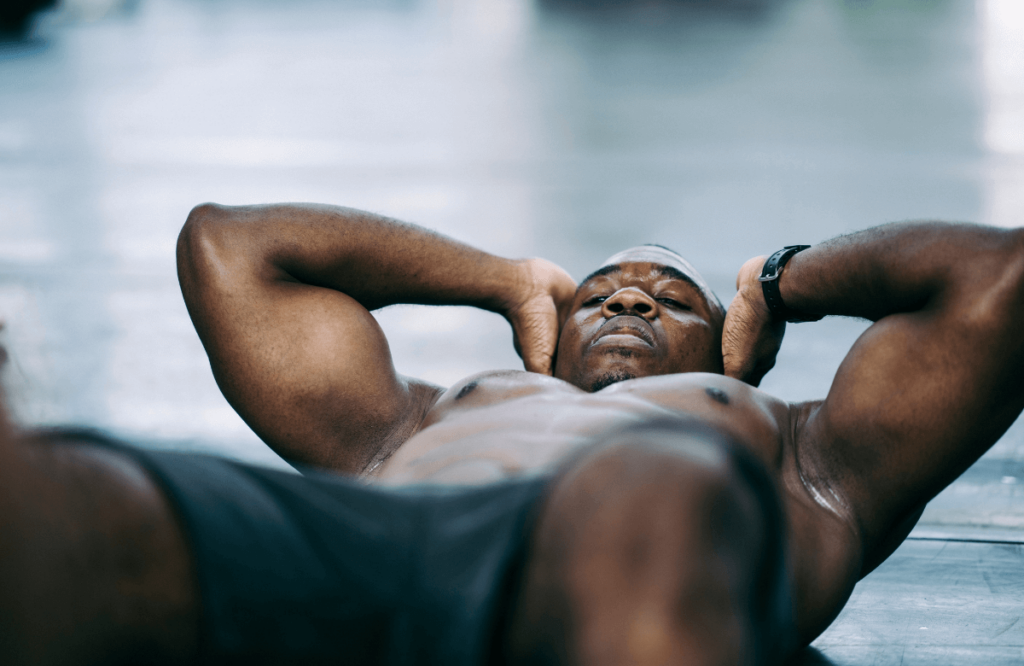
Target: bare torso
[{"x": 500, "y": 424}]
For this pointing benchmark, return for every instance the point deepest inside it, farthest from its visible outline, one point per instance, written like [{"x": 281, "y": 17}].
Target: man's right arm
[{"x": 280, "y": 296}]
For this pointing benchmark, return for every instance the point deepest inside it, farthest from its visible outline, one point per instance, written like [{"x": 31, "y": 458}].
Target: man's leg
[
  {"x": 287, "y": 569},
  {"x": 649, "y": 548},
  {"x": 94, "y": 567},
  {"x": 656, "y": 547}
]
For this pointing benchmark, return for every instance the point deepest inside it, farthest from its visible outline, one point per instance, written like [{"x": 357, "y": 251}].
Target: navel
[{"x": 718, "y": 395}]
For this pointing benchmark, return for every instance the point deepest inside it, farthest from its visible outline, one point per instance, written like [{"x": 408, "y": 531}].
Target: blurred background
[{"x": 563, "y": 129}]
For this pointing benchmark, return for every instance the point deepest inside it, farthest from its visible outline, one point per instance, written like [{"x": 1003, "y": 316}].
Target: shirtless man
[{"x": 690, "y": 513}]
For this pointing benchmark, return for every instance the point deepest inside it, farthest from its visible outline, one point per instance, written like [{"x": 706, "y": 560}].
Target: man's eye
[
  {"x": 595, "y": 300},
  {"x": 671, "y": 302}
]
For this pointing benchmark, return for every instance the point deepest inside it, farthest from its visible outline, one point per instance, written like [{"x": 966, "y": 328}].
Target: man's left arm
[{"x": 930, "y": 386}]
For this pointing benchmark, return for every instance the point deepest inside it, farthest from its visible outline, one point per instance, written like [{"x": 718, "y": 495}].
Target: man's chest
[{"x": 497, "y": 425}]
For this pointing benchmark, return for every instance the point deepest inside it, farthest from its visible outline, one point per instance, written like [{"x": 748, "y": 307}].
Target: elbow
[
  {"x": 201, "y": 221},
  {"x": 1009, "y": 288},
  {"x": 997, "y": 305},
  {"x": 205, "y": 212},
  {"x": 1007, "y": 299},
  {"x": 1015, "y": 273},
  {"x": 199, "y": 233},
  {"x": 200, "y": 244}
]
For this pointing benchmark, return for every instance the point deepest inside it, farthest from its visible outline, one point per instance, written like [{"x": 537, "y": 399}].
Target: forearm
[
  {"x": 373, "y": 259},
  {"x": 902, "y": 267}
]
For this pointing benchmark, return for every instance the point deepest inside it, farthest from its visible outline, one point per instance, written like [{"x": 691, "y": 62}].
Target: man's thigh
[
  {"x": 663, "y": 542},
  {"x": 94, "y": 566},
  {"x": 304, "y": 568}
]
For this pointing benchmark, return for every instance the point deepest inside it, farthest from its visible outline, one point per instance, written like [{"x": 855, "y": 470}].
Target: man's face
[{"x": 645, "y": 312}]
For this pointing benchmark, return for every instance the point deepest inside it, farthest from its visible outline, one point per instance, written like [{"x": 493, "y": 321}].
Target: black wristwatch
[{"x": 770, "y": 285}]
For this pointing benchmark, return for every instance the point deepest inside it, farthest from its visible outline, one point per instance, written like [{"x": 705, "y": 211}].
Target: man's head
[{"x": 646, "y": 311}]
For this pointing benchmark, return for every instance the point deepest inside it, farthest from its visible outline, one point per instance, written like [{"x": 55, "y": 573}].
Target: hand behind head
[{"x": 545, "y": 298}]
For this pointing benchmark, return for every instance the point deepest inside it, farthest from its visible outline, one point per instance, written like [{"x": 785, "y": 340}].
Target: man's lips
[{"x": 625, "y": 330}]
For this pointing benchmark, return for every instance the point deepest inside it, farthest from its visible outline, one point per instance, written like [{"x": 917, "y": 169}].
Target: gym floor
[{"x": 565, "y": 129}]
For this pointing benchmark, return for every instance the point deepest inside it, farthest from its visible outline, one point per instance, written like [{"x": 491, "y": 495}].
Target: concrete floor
[
  {"x": 932, "y": 603},
  {"x": 554, "y": 128}
]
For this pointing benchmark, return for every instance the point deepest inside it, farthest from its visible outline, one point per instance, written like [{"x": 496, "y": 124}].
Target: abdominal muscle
[
  {"x": 502, "y": 424},
  {"x": 510, "y": 424}
]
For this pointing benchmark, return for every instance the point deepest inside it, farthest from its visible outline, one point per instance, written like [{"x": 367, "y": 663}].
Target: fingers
[
  {"x": 751, "y": 338},
  {"x": 540, "y": 364},
  {"x": 752, "y": 374},
  {"x": 537, "y": 349},
  {"x": 742, "y": 367},
  {"x": 735, "y": 368},
  {"x": 750, "y": 271},
  {"x": 534, "y": 360},
  {"x": 747, "y": 372},
  {"x": 537, "y": 321}
]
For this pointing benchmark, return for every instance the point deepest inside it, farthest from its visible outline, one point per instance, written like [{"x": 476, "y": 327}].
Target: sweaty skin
[{"x": 281, "y": 295}]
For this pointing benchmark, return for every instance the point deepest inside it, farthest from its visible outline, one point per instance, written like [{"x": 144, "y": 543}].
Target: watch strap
[{"x": 769, "y": 280}]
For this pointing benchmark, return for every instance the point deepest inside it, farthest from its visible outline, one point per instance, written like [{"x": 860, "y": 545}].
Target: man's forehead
[
  {"x": 657, "y": 255},
  {"x": 668, "y": 262}
]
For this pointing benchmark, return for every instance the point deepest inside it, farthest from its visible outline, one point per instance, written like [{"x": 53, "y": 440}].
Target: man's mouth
[{"x": 624, "y": 331}]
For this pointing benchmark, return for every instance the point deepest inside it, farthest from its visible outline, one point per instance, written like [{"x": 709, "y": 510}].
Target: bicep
[
  {"x": 918, "y": 399},
  {"x": 307, "y": 368}
]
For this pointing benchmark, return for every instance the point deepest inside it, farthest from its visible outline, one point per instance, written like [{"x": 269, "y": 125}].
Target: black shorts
[{"x": 317, "y": 568}]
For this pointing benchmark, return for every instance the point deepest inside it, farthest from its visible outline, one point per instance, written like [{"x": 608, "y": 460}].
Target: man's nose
[{"x": 630, "y": 301}]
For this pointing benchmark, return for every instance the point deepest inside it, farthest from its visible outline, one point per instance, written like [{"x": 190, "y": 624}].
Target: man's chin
[{"x": 609, "y": 378}]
